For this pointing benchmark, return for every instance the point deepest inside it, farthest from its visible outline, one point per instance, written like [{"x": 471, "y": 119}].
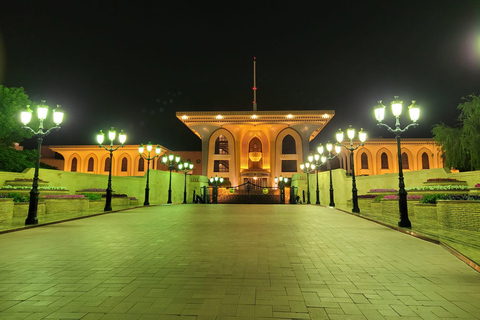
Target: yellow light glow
[
  {"x": 219, "y": 117},
  {"x": 289, "y": 116},
  {"x": 254, "y": 116},
  {"x": 184, "y": 117}
]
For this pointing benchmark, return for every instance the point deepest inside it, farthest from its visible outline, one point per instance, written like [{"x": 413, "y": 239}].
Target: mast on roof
[{"x": 254, "y": 84}]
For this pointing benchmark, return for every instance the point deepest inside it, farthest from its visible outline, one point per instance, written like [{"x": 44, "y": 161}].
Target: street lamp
[
  {"x": 329, "y": 147},
  {"x": 170, "y": 161},
  {"x": 158, "y": 149},
  {"x": 216, "y": 182},
  {"x": 319, "y": 160},
  {"x": 281, "y": 182},
  {"x": 414, "y": 112},
  {"x": 185, "y": 167},
  {"x": 26, "y": 117},
  {"x": 306, "y": 168},
  {"x": 362, "y": 136},
  {"x": 122, "y": 137}
]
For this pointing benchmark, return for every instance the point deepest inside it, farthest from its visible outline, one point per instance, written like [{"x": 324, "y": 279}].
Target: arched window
[
  {"x": 73, "y": 168},
  {"x": 384, "y": 161},
  {"x": 405, "y": 161},
  {"x": 425, "y": 162},
  {"x": 221, "y": 145},
  {"x": 288, "y": 145},
  {"x": 107, "y": 164},
  {"x": 124, "y": 165},
  {"x": 90, "y": 165},
  {"x": 364, "y": 160},
  {"x": 141, "y": 164}
]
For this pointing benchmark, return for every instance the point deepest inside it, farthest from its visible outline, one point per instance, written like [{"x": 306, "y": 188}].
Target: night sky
[{"x": 132, "y": 66}]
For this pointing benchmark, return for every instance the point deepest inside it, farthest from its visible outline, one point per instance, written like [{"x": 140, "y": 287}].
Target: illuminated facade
[
  {"x": 379, "y": 156},
  {"x": 254, "y": 146},
  {"x": 126, "y": 160}
]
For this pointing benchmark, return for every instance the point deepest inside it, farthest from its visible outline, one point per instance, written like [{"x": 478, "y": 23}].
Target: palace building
[{"x": 255, "y": 146}]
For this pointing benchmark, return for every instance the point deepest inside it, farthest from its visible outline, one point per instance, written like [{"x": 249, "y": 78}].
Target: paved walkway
[{"x": 230, "y": 262}]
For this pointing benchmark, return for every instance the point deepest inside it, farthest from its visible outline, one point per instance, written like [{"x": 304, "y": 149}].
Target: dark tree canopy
[
  {"x": 12, "y": 102},
  {"x": 461, "y": 144}
]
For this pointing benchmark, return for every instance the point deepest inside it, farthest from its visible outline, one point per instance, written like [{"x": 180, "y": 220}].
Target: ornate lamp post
[
  {"x": 122, "y": 137},
  {"x": 148, "y": 158},
  {"x": 319, "y": 160},
  {"x": 216, "y": 182},
  {"x": 329, "y": 147},
  {"x": 306, "y": 168},
  {"x": 186, "y": 167},
  {"x": 414, "y": 112},
  {"x": 170, "y": 161},
  {"x": 26, "y": 117},
  {"x": 362, "y": 136},
  {"x": 281, "y": 182}
]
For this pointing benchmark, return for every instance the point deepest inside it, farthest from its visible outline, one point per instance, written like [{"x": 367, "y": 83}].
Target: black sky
[{"x": 132, "y": 65}]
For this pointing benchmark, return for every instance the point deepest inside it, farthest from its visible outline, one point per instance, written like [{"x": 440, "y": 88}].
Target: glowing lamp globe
[
  {"x": 122, "y": 137},
  {"x": 320, "y": 148},
  {"x": 397, "y": 107},
  {"x": 100, "y": 137},
  {"x": 339, "y": 135},
  {"x": 350, "y": 132},
  {"x": 362, "y": 135},
  {"x": 141, "y": 149},
  {"x": 379, "y": 111},
  {"x": 414, "y": 111},
  {"x": 26, "y": 116},
  {"x": 57, "y": 115}
]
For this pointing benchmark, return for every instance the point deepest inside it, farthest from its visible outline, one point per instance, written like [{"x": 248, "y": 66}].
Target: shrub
[
  {"x": 395, "y": 197},
  {"x": 94, "y": 190},
  {"x": 93, "y": 196},
  {"x": 367, "y": 196},
  {"x": 450, "y": 187},
  {"x": 442, "y": 180},
  {"x": 133, "y": 198},
  {"x": 477, "y": 185},
  {"x": 18, "y": 197},
  {"x": 383, "y": 190},
  {"x": 116, "y": 196},
  {"x": 433, "y": 198},
  {"x": 63, "y": 196}
]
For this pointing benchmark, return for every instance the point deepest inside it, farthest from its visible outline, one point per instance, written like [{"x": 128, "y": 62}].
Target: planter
[
  {"x": 96, "y": 205},
  {"x": 459, "y": 214},
  {"x": 425, "y": 213},
  {"x": 66, "y": 205},
  {"x": 21, "y": 183},
  {"x": 27, "y": 191},
  {"x": 6, "y": 209},
  {"x": 445, "y": 183},
  {"x": 134, "y": 203},
  {"x": 20, "y": 209}
]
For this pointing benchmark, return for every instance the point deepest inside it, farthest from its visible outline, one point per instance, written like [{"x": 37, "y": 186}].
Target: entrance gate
[{"x": 249, "y": 193}]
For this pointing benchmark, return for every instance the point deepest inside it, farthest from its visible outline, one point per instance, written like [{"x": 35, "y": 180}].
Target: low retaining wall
[
  {"x": 66, "y": 205},
  {"x": 459, "y": 214},
  {"x": 6, "y": 209},
  {"x": 20, "y": 209}
]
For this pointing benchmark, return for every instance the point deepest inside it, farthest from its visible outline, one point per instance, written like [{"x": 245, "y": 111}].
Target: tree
[
  {"x": 461, "y": 145},
  {"x": 12, "y": 102}
]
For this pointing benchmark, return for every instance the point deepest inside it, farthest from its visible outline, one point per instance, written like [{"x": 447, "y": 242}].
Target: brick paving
[{"x": 230, "y": 262}]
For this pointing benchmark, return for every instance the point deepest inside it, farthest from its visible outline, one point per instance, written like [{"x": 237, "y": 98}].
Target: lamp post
[
  {"x": 329, "y": 147},
  {"x": 215, "y": 181},
  {"x": 281, "y": 182},
  {"x": 362, "y": 136},
  {"x": 122, "y": 137},
  {"x": 319, "y": 160},
  {"x": 141, "y": 148},
  {"x": 185, "y": 167},
  {"x": 306, "y": 168},
  {"x": 170, "y": 161},
  {"x": 26, "y": 117},
  {"x": 414, "y": 112}
]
